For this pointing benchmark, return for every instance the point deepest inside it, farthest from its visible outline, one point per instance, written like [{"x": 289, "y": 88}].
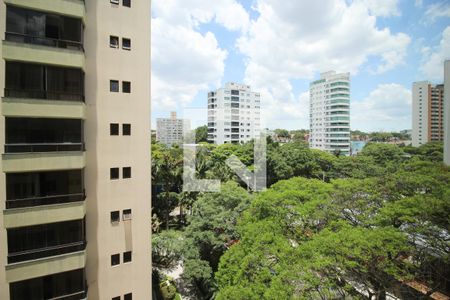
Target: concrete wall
[{"x": 104, "y": 151}]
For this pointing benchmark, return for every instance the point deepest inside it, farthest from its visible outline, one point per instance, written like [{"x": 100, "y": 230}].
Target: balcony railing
[
  {"x": 44, "y": 41},
  {"x": 46, "y": 252},
  {"x": 43, "y": 147},
  {"x": 74, "y": 296},
  {"x": 44, "y": 200},
  {"x": 40, "y": 94}
]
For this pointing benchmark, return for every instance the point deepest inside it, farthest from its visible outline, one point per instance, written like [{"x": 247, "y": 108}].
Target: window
[
  {"x": 126, "y": 87},
  {"x": 126, "y": 172},
  {"x": 114, "y": 129},
  {"x": 116, "y": 298},
  {"x": 128, "y": 296},
  {"x": 115, "y": 216},
  {"x": 115, "y": 259},
  {"x": 114, "y": 1},
  {"x": 114, "y": 173},
  {"x": 126, "y": 3},
  {"x": 126, "y": 129},
  {"x": 114, "y": 41},
  {"x": 114, "y": 86},
  {"x": 126, "y": 44},
  {"x": 126, "y": 214},
  {"x": 127, "y": 256}
]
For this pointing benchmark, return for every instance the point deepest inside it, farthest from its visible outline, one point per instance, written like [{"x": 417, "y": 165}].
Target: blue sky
[{"x": 278, "y": 47}]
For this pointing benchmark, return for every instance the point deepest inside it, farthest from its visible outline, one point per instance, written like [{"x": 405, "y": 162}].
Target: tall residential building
[
  {"x": 74, "y": 126},
  {"x": 447, "y": 112},
  {"x": 427, "y": 113},
  {"x": 169, "y": 131},
  {"x": 233, "y": 114},
  {"x": 330, "y": 113}
]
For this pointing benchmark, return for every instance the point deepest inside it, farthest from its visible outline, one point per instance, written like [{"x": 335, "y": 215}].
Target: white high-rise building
[
  {"x": 427, "y": 113},
  {"x": 233, "y": 114},
  {"x": 169, "y": 131},
  {"x": 447, "y": 112},
  {"x": 330, "y": 113}
]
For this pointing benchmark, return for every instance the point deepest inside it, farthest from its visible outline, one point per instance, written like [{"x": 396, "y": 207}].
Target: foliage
[
  {"x": 166, "y": 248},
  {"x": 201, "y": 134}
]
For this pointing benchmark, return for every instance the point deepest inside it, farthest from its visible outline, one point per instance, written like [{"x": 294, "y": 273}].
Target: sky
[{"x": 279, "y": 47}]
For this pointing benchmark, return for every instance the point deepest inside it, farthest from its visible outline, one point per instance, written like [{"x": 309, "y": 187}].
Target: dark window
[
  {"x": 41, "y": 188},
  {"x": 126, "y": 172},
  {"x": 128, "y": 296},
  {"x": 32, "y": 27},
  {"x": 234, "y": 92},
  {"x": 114, "y": 173},
  {"x": 115, "y": 216},
  {"x": 114, "y": 129},
  {"x": 115, "y": 259},
  {"x": 113, "y": 41},
  {"x": 126, "y": 213},
  {"x": 126, "y": 44},
  {"x": 126, "y": 3},
  {"x": 116, "y": 298},
  {"x": 43, "y": 82},
  {"x": 56, "y": 286},
  {"x": 114, "y": 86},
  {"x": 126, "y": 129},
  {"x": 43, "y": 135},
  {"x": 126, "y": 87},
  {"x": 127, "y": 256},
  {"x": 33, "y": 242}
]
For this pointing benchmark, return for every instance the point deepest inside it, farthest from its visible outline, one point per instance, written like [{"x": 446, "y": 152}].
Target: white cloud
[
  {"x": 433, "y": 59},
  {"x": 382, "y": 8},
  {"x": 387, "y": 108},
  {"x": 184, "y": 60},
  {"x": 437, "y": 10},
  {"x": 293, "y": 40}
]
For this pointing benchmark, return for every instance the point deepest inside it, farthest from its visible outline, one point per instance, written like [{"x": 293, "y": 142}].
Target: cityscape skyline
[{"x": 396, "y": 44}]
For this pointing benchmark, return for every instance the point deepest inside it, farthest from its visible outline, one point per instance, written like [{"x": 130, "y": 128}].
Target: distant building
[
  {"x": 233, "y": 114},
  {"x": 427, "y": 113},
  {"x": 330, "y": 113},
  {"x": 447, "y": 112},
  {"x": 169, "y": 131}
]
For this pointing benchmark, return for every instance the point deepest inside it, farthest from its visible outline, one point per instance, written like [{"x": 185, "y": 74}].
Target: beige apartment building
[
  {"x": 75, "y": 205},
  {"x": 447, "y": 112},
  {"x": 428, "y": 113}
]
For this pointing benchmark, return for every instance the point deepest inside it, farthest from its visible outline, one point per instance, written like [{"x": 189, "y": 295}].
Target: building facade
[
  {"x": 234, "y": 114},
  {"x": 447, "y": 112},
  {"x": 330, "y": 113},
  {"x": 427, "y": 113},
  {"x": 169, "y": 131},
  {"x": 74, "y": 126}
]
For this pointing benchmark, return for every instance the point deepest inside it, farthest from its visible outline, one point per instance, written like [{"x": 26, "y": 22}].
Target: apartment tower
[
  {"x": 169, "y": 131},
  {"x": 447, "y": 112},
  {"x": 75, "y": 130},
  {"x": 427, "y": 113},
  {"x": 233, "y": 114},
  {"x": 330, "y": 113}
]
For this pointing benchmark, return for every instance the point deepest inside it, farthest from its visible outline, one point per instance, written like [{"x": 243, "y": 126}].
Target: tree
[
  {"x": 166, "y": 248},
  {"x": 211, "y": 229},
  {"x": 282, "y": 133},
  {"x": 201, "y": 134}
]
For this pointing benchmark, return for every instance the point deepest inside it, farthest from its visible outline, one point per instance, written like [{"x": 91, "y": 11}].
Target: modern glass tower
[
  {"x": 75, "y": 167},
  {"x": 330, "y": 113}
]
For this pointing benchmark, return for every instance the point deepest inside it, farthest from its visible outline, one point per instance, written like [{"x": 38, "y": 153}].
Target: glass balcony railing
[
  {"x": 46, "y": 252},
  {"x": 43, "y": 41},
  {"x": 42, "y": 94},
  {"x": 44, "y": 200},
  {"x": 43, "y": 147}
]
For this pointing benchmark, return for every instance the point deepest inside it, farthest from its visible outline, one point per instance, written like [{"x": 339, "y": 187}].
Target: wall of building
[
  {"x": 104, "y": 151},
  {"x": 447, "y": 112},
  {"x": 420, "y": 112}
]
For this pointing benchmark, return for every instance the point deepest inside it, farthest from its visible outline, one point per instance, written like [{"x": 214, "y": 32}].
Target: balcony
[
  {"x": 44, "y": 267},
  {"x": 73, "y": 8},
  {"x": 39, "y": 241},
  {"x": 43, "y": 161},
  {"x": 36, "y": 81}
]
